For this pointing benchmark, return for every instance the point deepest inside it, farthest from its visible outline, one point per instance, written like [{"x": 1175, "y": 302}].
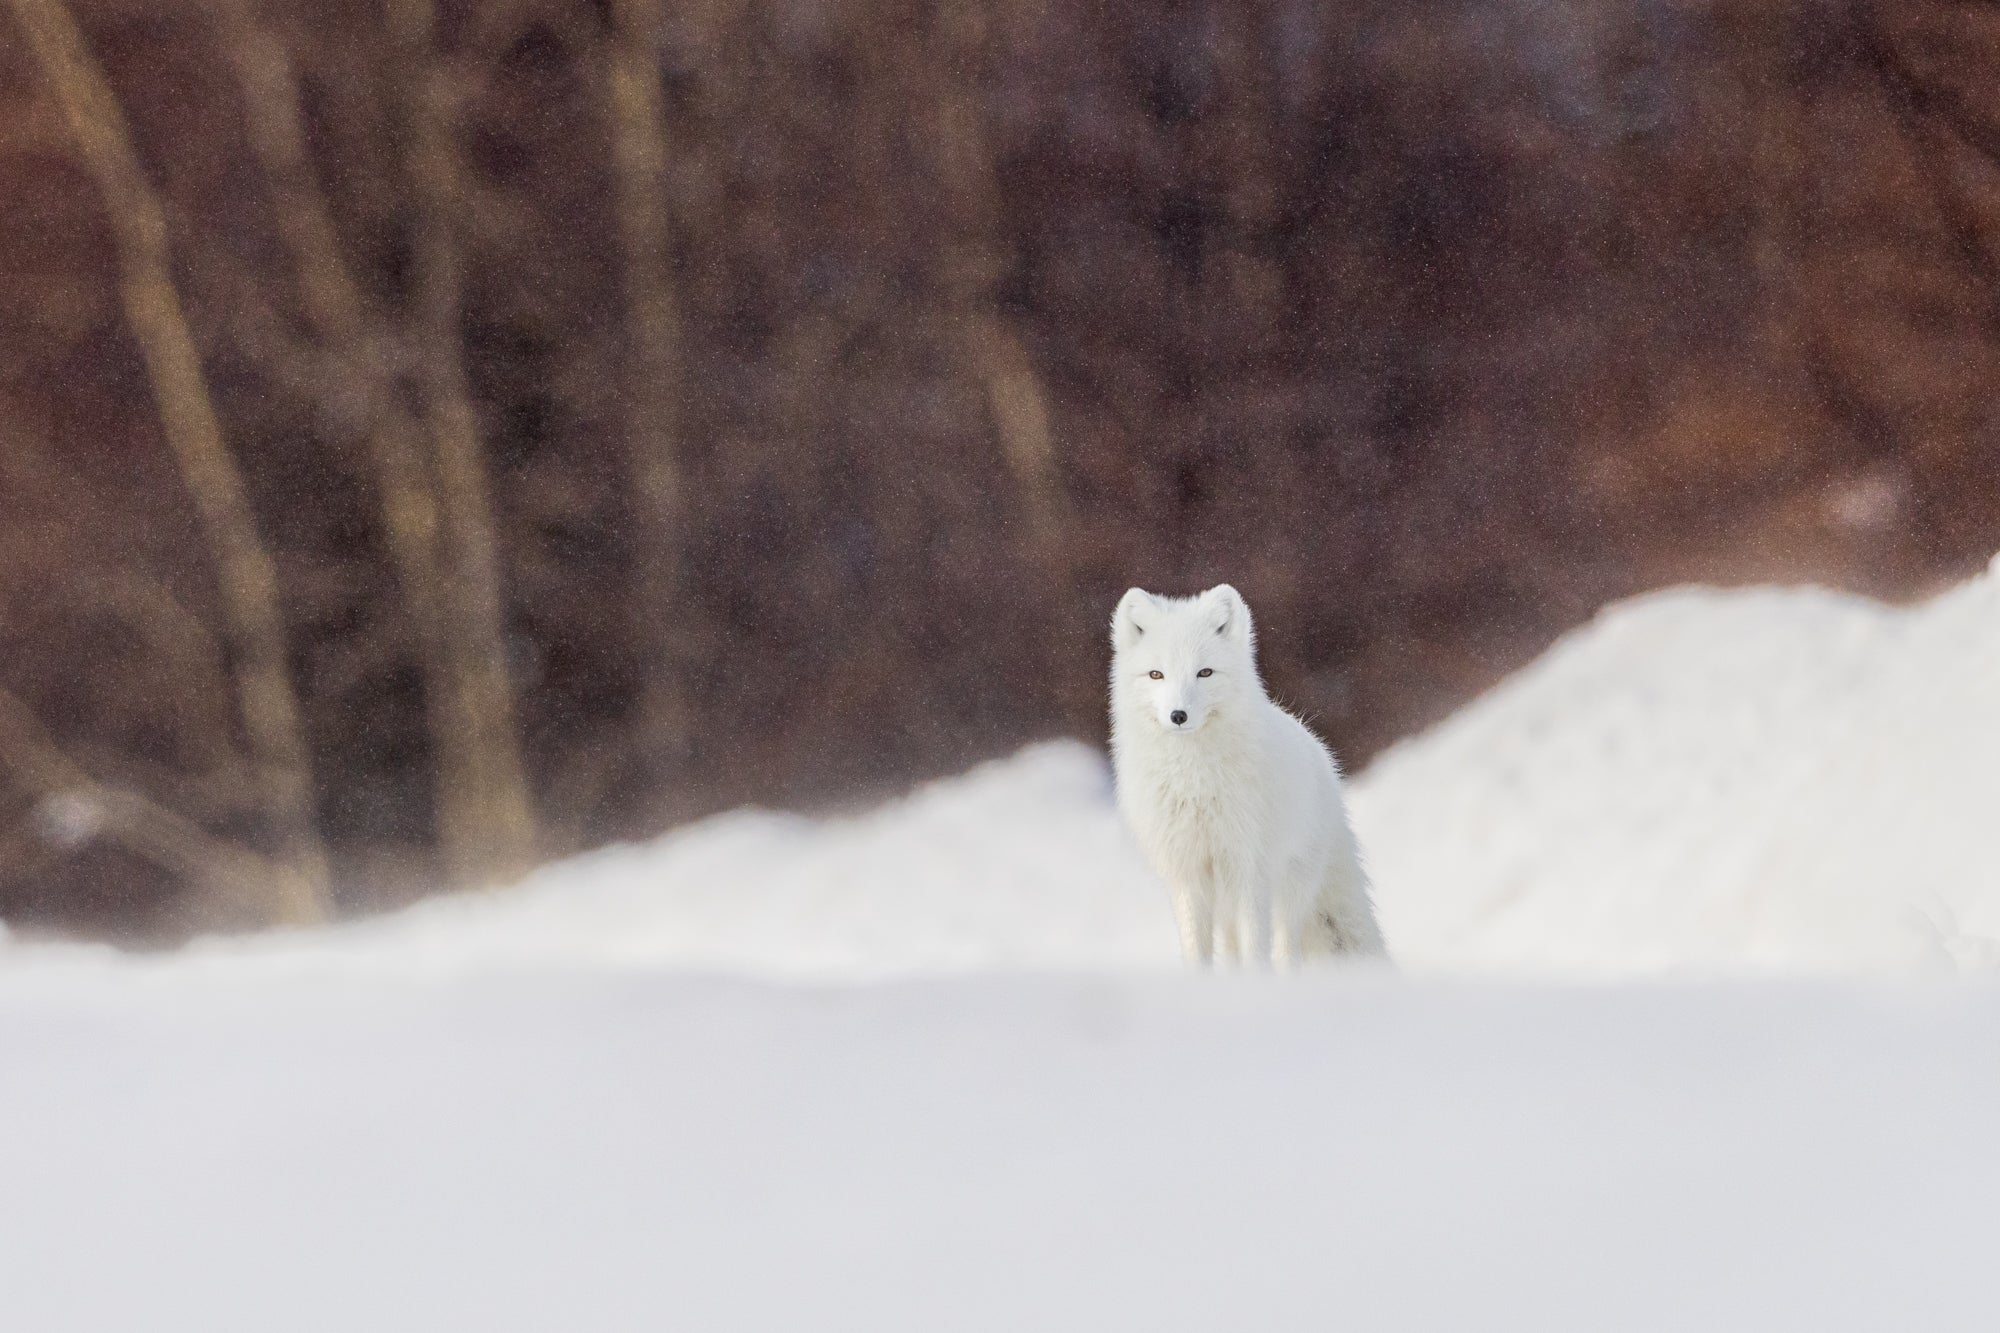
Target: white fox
[{"x": 1236, "y": 804}]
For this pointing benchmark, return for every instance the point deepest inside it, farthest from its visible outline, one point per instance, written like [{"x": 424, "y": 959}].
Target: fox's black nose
[{"x": 1179, "y": 716}]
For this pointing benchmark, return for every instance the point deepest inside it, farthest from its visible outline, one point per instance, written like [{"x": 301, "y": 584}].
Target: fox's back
[{"x": 1299, "y": 785}]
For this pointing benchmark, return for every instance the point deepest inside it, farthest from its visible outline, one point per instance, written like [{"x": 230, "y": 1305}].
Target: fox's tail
[{"x": 1345, "y": 926}]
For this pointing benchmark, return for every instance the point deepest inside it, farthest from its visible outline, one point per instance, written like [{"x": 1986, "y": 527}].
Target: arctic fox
[{"x": 1236, "y": 804}]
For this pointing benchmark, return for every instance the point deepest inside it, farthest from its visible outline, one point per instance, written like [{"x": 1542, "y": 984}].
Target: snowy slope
[
  {"x": 1017, "y": 864},
  {"x": 1712, "y": 780},
  {"x": 531, "y": 1109},
  {"x": 1699, "y": 781}
]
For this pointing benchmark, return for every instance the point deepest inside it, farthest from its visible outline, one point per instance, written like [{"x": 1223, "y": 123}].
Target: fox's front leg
[
  {"x": 1287, "y": 931},
  {"x": 1285, "y": 940},
  {"x": 1253, "y": 924},
  {"x": 1228, "y": 938},
  {"x": 1195, "y": 914},
  {"x": 1242, "y": 916}
]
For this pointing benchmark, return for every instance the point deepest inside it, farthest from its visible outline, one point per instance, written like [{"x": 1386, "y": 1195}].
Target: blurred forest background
[{"x": 438, "y": 436}]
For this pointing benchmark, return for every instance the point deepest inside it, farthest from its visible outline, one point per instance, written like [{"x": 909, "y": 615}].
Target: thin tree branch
[
  {"x": 653, "y": 380},
  {"x": 189, "y": 662},
  {"x": 135, "y": 822},
  {"x": 245, "y": 571},
  {"x": 192, "y": 662}
]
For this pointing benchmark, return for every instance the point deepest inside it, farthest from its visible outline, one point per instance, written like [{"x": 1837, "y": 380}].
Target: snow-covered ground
[
  {"x": 1700, "y": 782},
  {"x": 1007, "y": 1154},
  {"x": 647, "y": 1089}
]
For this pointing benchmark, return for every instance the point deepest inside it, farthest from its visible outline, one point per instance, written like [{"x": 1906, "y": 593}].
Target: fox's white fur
[{"x": 1234, "y": 801}]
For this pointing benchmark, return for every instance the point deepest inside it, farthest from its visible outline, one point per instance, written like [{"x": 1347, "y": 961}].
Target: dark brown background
[{"x": 827, "y": 369}]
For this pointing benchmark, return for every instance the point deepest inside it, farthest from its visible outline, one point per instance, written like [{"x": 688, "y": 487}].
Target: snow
[
  {"x": 1019, "y": 864},
  {"x": 936, "y": 1066},
  {"x": 1700, "y": 782},
  {"x": 1710, "y": 781},
  {"x": 1003, "y": 1153}
]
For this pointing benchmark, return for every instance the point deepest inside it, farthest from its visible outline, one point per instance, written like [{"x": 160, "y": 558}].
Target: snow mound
[
  {"x": 1788, "y": 779},
  {"x": 1020, "y": 864},
  {"x": 1703, "y": 781},
  {"x": 1016, "y": 864},
  {"x": 577, "y": 1134}
]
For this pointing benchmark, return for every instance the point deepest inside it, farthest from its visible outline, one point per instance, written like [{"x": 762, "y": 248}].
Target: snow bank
[
  {"x": 1698, "y": 781},
  {"x": 520, "y": 1111},
  {"x": 1711, "y": 780},
  {"x": 1017, "y": 865}
]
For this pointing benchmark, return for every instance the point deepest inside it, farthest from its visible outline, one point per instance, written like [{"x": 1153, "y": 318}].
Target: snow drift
[
  {"x": 1712, "y": 780},
  {"x": 520, "y": 1111},
  {"x": 1700, "y": 780}
]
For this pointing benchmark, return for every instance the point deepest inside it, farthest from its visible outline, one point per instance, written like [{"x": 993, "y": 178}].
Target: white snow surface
[
  {"x": 1710, "y": 781},
  {"x": 1018, "y": 864},
  {"x": 1007, "y": 1153},
  {"x": 1699, "y": 782},
  {"x": 936, "y": 1066}
]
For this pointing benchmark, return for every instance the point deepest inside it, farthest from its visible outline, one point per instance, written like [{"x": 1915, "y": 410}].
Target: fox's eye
[
  {"x": 1157, "y": 675},
  {"x": 1205, "y": 672}
]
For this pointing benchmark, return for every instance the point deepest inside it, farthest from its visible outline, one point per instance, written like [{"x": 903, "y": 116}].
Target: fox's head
[{"x": 1179, "y": 662}]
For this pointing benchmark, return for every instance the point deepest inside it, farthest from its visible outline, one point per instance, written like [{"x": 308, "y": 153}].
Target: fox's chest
[{"x": 1191, "y": 815}]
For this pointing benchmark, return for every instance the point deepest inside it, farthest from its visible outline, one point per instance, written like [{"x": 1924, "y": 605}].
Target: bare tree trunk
[
  {"x": 653, "y": 379},
  {"x": 245, "y": 572},
  {"x": 974, "y": 264},
  {"x": 480, "y": 793},
  {"x": 490, "y": 835}
]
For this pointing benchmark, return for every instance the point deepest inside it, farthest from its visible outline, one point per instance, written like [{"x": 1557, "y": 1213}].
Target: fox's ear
[
  {"x": 1228, "y": 613},
  {"x": 1128, "y": 622}
]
